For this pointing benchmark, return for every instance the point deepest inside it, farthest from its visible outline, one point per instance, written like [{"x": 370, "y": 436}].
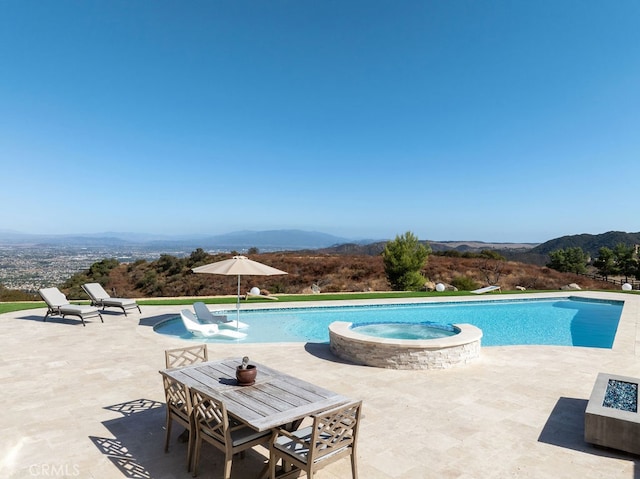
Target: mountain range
[
  {"x": 271, "y": 240},
  {"x": 283, "y": 240},
  {"x": 532, "y": 253}
]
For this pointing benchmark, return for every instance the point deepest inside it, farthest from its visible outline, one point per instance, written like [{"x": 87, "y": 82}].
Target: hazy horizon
[
  {"x": 141, "y": 236},
  {"x": 502, "y": 122}
]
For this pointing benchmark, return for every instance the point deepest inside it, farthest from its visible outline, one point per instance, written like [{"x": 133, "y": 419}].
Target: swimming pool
[{"x": 567, "y": 321}]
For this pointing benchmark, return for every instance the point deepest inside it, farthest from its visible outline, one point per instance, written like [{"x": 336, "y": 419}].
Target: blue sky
[{"x": 511, "y": 121}]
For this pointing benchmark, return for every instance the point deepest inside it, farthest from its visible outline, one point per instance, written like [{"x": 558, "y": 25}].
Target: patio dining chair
[
  {"x": 178, "y": 357},
  {"x": 332, "y": 436},
  {"x": 179, "y": 410},
  {"x": 213, "y": 425}
]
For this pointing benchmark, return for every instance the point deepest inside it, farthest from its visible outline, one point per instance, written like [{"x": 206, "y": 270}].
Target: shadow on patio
[
  {"x": 565, "y": 428},
  {"x": 137, "y": 446},
  {"x": 137, "y": 439}
]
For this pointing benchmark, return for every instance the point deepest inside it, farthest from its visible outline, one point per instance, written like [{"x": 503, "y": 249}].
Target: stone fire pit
[{"x": 611, "y": 419}]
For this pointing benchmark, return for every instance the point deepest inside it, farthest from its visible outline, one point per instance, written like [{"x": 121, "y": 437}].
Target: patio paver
[{"x": 88, "y": 402}]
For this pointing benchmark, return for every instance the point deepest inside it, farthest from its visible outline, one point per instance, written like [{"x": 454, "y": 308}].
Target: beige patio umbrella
[{"x": 240, "y": 266}]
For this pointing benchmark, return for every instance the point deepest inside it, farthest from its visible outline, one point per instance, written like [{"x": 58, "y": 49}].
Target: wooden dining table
[{"x": 274, "y": 400}]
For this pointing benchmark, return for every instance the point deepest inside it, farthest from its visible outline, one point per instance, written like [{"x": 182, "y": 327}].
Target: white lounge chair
[
  {"x": 255, "y": 293},
  {"x": 58, "y": 305},
  {"x": 486, "y": 289},
  {"x": 196, "y": 328},
  {"x": 206, "y": 316},
  {"x": 100, "y": 298}
]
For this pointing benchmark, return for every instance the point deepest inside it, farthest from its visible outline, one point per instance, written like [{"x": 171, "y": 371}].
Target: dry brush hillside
[{"x": 171, "y": 277}]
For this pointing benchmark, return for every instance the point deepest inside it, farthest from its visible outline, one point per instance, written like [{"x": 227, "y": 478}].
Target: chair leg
[
  {"x": 228, "y": 461},
  {"x": 272, "y": 464},
  {"x": 80, "y": 316},
  {"x": 196, "y": 455},
  {"x": 168, "y": 434},
  {"x": 354, "y": 466},
  {"x": 189, "y": 453}
]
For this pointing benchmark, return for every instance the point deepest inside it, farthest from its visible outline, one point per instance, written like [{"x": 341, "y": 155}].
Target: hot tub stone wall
[{"x": 439, "y": 353}]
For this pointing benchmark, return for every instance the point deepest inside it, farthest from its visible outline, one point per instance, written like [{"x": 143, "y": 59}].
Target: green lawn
[
  {"x": 301, "y": 297},
  {"x": 8, "y": 307}
]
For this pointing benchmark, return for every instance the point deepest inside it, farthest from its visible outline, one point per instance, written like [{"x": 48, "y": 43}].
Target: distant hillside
[
  {"x": 436, "y": 246},
  {"x": 531, "y": 253},
  {"x": 310, "y": 241},
  {"x": 477, "y": 246},
  {"x": 588, "y": 242},
  {"x": 170, "y": 276}
]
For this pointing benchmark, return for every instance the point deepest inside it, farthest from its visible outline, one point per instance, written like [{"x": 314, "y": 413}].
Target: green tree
[
  {"x": 404, "y": 258},
  {"x": 606, "y": 262},
  {"x": 626, "y": 263},
  {"x": 464, "y": 283},
  {"x": 491, "y": 254},
  {"x": 198, "y": 256},
  {"x": 168, "y": 264},
  {"x": 569, "y": 260},
  {"x": 557, "y": 260},
  {"x": 99, "y": 271}
]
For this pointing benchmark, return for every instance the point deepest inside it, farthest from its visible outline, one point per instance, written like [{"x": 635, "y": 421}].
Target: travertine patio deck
[{"x": 87, "y": 402}]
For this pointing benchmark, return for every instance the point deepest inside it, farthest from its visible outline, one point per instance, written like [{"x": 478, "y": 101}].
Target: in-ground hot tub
[{"x": 459, "y": 347}]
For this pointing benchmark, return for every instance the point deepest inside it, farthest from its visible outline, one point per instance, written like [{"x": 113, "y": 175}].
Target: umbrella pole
[{"x": 238, "y": 307}]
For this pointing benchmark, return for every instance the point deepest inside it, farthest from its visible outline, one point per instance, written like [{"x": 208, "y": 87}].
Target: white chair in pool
[
  {"x": 206, "y": 316},
  {"x": 196, "y": 328},
  {"x": 100, "y": 298},
  {"x": 58, "y": 305}
]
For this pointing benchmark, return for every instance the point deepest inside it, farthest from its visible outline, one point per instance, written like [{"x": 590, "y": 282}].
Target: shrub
[
  {"x": 464, "y": 283},
  {"x": 404, "y": 258}
]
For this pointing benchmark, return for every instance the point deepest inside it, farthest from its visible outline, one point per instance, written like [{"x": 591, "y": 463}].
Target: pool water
[
  {"x": 562, "y": 322},
  {"x": 405, "y": 330}
]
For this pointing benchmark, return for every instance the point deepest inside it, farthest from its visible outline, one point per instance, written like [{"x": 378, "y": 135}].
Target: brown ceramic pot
[{"x": 246, "y": 377}]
